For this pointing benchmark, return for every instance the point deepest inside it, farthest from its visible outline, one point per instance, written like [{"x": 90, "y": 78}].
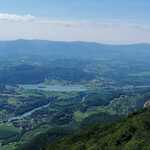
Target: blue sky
[
  {"x": 80, "y": 9},
  {"x": 107, "y": 21}
]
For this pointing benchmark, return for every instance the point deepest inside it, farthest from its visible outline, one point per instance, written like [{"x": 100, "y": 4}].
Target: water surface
[{"x": 57, "y": 88}]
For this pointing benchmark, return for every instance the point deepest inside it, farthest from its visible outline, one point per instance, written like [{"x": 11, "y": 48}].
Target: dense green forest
[{"x": 131, "y": 133}]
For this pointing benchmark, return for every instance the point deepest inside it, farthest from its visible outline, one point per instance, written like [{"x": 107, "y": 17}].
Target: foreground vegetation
[{"x": 132, "y": 133}]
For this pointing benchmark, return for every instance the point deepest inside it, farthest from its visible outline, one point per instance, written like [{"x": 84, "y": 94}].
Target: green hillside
[{"x": 132, "y": 133}]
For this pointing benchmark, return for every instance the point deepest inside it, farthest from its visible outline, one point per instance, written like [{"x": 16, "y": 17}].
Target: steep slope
[{"x": 132, "y": 133}]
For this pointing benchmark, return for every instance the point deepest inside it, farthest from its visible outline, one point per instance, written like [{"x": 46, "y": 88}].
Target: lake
[{"x": 55, "y": 88}]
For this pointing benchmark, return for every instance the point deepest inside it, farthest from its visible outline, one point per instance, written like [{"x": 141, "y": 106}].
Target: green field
[{"x": 8, "y": 131}]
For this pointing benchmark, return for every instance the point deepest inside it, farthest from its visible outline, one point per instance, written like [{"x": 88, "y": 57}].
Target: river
[
  {"x": 28, "y": 113},
  {"x": 58, "y": 88}
]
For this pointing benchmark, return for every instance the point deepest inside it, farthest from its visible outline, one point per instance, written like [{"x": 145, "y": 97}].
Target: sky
[{"x": 103, "y": 21}]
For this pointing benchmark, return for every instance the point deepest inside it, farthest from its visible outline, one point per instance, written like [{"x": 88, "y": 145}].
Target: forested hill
[
  {"x": 132, "y": 133},
  {"x": 70, "y": 49}
]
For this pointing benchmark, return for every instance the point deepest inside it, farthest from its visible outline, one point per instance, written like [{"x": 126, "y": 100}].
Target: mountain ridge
[
  {"x": 77, "y": 49},
  {"x": 76, "y": 42},
  {"x": 131, "y": 133}
]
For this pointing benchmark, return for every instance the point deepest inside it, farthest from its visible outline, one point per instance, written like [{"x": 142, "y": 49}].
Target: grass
[
  {"x": 11, "y": 146},
  {"x": 80, "y": 116},
  {"x": 8, "y": 131},
  {"x": 12, "y": 101}
]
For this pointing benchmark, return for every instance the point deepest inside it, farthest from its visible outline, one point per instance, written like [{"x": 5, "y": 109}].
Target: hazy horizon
[
  {"x": 111, "y": 22},
  {"x": 75, "y": 41}
]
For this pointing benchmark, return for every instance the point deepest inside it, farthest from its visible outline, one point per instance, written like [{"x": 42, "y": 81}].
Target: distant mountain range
[{"x": 71, "y": 49}]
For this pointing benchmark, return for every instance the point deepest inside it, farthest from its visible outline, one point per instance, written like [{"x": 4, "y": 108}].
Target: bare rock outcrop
[{"x": 147, "y": 104}]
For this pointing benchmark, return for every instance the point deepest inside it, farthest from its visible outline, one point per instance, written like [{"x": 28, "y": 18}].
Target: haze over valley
[{"x": 74, "y": 75}]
